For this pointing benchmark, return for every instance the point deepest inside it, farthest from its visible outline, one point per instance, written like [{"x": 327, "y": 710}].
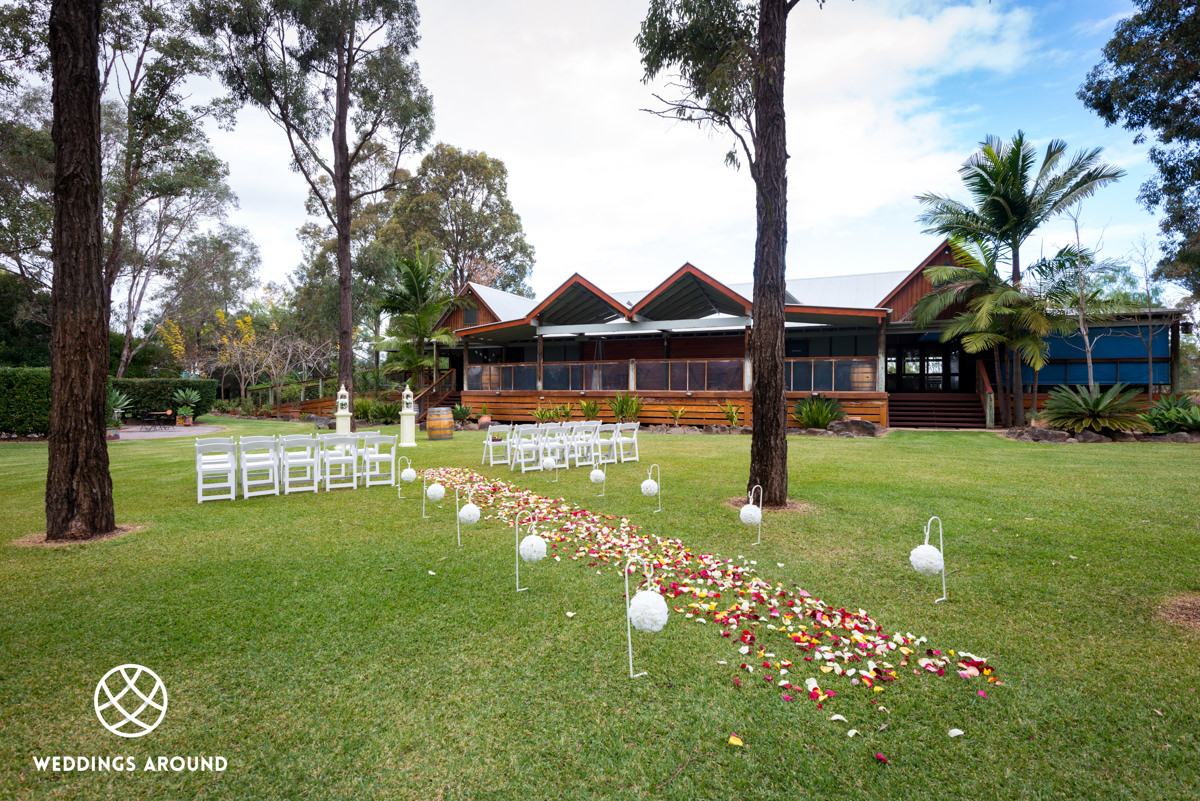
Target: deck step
[{"x": 935, "y": 410}]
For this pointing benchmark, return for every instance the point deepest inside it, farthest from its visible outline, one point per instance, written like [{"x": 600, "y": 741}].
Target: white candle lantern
[
  {"x": 598, "y": 475},
  {"x": 434, "y": 492},
  {"x": 407, "y": 475},
  {"x": 532, "y": 549},
  {"x": 468, "y": 515},
  {"x": 550, "y": 463}
]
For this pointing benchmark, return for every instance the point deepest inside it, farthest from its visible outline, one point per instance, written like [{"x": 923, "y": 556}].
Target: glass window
[
  {"x": 822, "y": 376},
  {"x": 801, "y": 376},
  {"x": 524, "y": 376},
  {"x": 725, "y": 376},
  {"x": 696, "y": 376},
  {"x": 679, "y": 374},
  {"x": 842, "y": 374},
  {"x": 912, "y": 361},
  {"x": 652, "y": 375},
  {"x": 614, "y": 376}
]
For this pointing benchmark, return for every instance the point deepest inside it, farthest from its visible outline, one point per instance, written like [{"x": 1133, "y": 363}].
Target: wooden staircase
[{"x": 935, "y": 410}]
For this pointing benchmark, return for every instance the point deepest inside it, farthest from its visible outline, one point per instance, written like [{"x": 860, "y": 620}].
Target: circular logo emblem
[{"x": 131, "y": 700}]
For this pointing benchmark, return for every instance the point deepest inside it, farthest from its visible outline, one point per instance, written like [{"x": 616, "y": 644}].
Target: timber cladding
[{"x": 701, "y": 408}]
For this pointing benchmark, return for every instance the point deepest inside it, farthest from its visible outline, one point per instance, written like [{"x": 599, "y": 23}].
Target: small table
[{"x": 156, "y": 421}]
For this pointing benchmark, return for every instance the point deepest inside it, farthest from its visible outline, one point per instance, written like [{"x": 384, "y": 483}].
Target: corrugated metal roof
[
  {"x": 862, "y": 291},
  {"x": 506, "y": 305}
]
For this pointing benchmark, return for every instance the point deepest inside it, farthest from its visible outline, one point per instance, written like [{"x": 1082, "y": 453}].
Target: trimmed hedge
[
  {"x": 25, "y": 401},
  {"x": 158, "y": 394},
  {"x": 25, "y": 397}
]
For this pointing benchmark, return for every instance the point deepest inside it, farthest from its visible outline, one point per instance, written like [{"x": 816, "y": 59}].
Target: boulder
[
  {"x": 1087, "y": 435},
  {"x": 1048, "y": 435},
  {"x": 855, "y": 428},
  {"x": 1124, "y": 436},
  {"x": 1179, "y": 436}
]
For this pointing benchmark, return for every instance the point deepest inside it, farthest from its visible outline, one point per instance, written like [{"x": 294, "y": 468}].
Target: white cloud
[{"x": 885, "y": 100}]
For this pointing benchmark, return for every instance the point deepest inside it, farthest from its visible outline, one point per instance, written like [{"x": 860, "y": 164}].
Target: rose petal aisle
[{"x": 759, "y": 615}]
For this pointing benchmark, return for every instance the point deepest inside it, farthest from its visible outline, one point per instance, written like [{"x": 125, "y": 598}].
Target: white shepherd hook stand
[
  {"x": 750, "y": 514},
  {"x": 928, "y": 560},
  {"x": 407, "y": 475},
  {"x": 532, "y": 549},
  {"x": 434, "y": 492},
  {"x": 597, "y": 475},
  {"x": 550, "y": 463},
  {"x": 652, "y": 488},
  {"x": 648, "y": 608},
  {"x": 469, "y": 513}
]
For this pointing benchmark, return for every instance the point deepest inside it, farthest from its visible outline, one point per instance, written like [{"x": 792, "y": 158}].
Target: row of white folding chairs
[
  {"x": 297, "y": 463},
  {"x": 585, "y": 443}
]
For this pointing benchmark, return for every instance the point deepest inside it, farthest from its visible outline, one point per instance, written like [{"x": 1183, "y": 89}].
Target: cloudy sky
[{"x": 885, "y": 100}]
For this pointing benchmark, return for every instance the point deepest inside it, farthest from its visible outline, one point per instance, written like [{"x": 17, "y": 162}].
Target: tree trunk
[
  {"x": 1018, "y": 390},
  {"x": 79, "y": 502},
  {"x": 1005, "y": 408},
  {"x": 1037, "y": 376},
  {"x": 768, "y": 444},
  {"x": 341, "y": 184}
]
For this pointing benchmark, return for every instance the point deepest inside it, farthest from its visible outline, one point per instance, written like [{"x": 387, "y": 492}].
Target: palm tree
[
  {"x": 1012, "y": 197},
  {"x": 416, "y": 304}
]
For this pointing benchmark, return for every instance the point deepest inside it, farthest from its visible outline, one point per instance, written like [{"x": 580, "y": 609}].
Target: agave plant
[
  {"x": 544, "y": 415},
  {"x": 118, "y": 403},
  {"x": 677, "y": 414},
  {"x": 590, "y": 409},
  {"x": 817, "y": 411},
  {"x": 1172, "y": 413},
  {"x": 625, "y": 407},
  {"x": 386, "y": 412},
  {"x": 1074, "y": 409},
  {"x": 730, "y": 411},
  {"x": 460, "y": 413}
]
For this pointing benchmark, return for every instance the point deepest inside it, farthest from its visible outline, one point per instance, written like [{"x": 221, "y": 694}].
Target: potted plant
[
  {"x": 118, "y": 402},
  {"x": 484, "y": 417},
  {"x": 186, "y": 401}
]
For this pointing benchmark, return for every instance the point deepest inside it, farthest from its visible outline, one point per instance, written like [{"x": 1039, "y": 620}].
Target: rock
[
  {"x": 720, "y": 429},
  {"x": 1013, "y": 433},
  {"x": 1179, "y": 436},
  {"x": 815, "y": 432},
  {"x": 1196, "y": 436},
  {"x": 1124, "y": 436},
  {"x": 1026, "y": 438},
  {"x": 1048, "y": 435},
  {"x": 743, "y": 430},
  {"x": 854, "y": 427},
  {"x": 1072, "y": 441},
  {"x": 470, "y": 427},
  {"x": 1087, "y": 435},
  {"x": 1155, "y": 438}
]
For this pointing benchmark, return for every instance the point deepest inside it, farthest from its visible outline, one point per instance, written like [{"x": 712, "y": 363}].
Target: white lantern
[
  {"x": 751, "y": 514},
  {"x": 435, "y": 492},
  {"x": 648, "y": 611},
  {"x": 408, "y": 475},
  {"x": 650, "y": 489},
  {"x": 927, "y": 560},
  {"x": 469, "y": 514},
  {"x": 533, "y": 549},
  {"x": 597, "y": 476},
  {"x": 548, "y": 463}
]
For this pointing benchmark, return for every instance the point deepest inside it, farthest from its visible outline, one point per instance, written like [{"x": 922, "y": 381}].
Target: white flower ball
[
  {"x": 650, "y": 489},
  {"x": 648, "y": 611},
  {"x": 435, "y": 492},
  {"x": 926, "y": 560},
  {"x": 548, "y": 463},
  {"x": 597, "y": 476},
  {"x": 532, "y": 549},
  {"x": 751, "y": 515},
  {"x": 469, "y": 514},
  {"x": 408, "y": 475}
]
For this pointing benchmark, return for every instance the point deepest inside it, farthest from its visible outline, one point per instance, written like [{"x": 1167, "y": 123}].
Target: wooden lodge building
[{"x": 684, "y": 344}]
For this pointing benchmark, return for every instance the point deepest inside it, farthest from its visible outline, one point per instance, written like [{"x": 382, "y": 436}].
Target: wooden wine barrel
[
  {"x": 439, "y": 423},
  {"x": 862, "y": 377}
]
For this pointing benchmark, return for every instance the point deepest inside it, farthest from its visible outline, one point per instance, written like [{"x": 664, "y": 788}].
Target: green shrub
[
  {"x": 730, "y": 411},
  {"x": 292, "y": 393},
  {"x": 116, "y": 404},
  {"x": 158, "y": 394},
  {"x": 677, "y": 414},
  {"x": 247, "y": 407},
  {"x": 625, "y": 407},
  {"x": 543, "y": 415},
  {"x": 386, "y": 412},
  {"x": 460, "y": 413},
  {"x": 590, "y": 409},
  {"x": 1172, "y": 413},
  {"x": 363, "y": 407},
  {"x": 1115, "y": 409},
  {"x": 817, "y": 411},
  {"x": 25, "y": 401}
]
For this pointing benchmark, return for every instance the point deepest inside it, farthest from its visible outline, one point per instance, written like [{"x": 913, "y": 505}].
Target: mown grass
[{"x": 304, "y": 639}]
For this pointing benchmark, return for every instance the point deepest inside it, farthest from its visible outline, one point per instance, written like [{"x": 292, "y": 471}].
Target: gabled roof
[
  {"x": 577, "y": 301},
  {"x": 689, "y": 293},
  {"x": 915, "y": 285},
  {"x": 503, "y": 305}
]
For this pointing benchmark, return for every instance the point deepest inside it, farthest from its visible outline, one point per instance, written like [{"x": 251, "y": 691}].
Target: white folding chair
[
  {"x": 556, "y": 441},
  {"x": 300, "y": 463},
  {"x": 379, "y": 460},
  {"x": 339, "y": 461},
  {"x": 496, "y": 445},
  {"x": 527, "y": 448},
  {"x": 627, "y": 446},
  {"x": 584, "y": 443},
  {"x": 607, "y": 444},
  {"x": 216, "y": 469},
  {"x": 259, "y": 461}
]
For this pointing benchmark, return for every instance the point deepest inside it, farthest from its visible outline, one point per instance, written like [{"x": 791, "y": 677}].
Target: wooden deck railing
[{"x": 433, "y": 395}]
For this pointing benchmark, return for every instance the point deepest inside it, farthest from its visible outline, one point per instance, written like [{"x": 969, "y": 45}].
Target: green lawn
[{"x": 304, "y": 638}]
